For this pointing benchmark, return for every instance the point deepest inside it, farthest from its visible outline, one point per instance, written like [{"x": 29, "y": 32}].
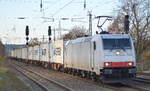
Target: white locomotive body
[{"x": 104, "y": 55}]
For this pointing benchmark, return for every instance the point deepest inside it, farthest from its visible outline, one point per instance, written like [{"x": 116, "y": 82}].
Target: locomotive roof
[
  {"x": 78, "y": 40},
  {"x": 106, "y": 36},
  {"x": 114, "y": 36}
]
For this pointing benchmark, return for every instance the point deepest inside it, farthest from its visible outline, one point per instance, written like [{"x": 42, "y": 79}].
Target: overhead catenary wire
[
  {"x": 62, "y": 7},
  {"x": 50, "y": 6}
]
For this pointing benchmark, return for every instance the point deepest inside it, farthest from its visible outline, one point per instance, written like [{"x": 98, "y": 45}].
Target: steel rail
[
  {"x": 144, "y": 80},
  {"x": 30, "y": 78},
  {"x": 48, "y": 79},
  {"x": 135, "y": 84}
]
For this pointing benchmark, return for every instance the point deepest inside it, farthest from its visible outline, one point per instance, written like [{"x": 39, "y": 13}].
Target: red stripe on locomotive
[{"x": 118, "y": 64}]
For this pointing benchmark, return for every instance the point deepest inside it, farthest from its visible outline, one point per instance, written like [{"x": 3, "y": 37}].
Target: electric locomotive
[{"x": 109, "y": 57}]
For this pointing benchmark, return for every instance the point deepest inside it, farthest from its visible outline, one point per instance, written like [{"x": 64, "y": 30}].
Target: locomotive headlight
[
  {"x": 130, "y": 63},
  {"x": 107, "y": 64},
  {"x": 117, "y": 53}
]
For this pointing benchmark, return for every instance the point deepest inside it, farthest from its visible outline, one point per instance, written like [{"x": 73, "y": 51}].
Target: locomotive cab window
[{"x": 117, "y": 44}]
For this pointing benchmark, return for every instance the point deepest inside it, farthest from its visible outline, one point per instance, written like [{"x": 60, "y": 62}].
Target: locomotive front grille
[{"x": 119, "y": 72}]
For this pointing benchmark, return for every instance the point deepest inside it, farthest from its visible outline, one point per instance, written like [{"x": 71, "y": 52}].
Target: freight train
[{"x": 104, "y": 57}]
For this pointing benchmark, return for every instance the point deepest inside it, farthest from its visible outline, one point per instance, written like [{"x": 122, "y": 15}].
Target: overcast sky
[{"x": 12, "y": 29}]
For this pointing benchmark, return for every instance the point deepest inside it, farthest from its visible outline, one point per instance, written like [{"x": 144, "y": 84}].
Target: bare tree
[
  {"x": 146, "y": 59},
  {"x": 75, "y": 32},
  {"x": 139, "y": 15},
  {"x": 116, "y": 26}
]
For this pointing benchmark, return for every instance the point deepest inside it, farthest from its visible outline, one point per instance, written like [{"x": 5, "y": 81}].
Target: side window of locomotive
[{"x": 94, "y": 45}]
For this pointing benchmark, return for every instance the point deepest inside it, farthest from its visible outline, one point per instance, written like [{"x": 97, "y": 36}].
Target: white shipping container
[
  {"x": 57, "y": 51},
  {"x": 19, "y": 53},
  {"x": 24, "y": 53},
  {"x": 44, "y": 52},
  {"x": 13, "y": 53},
  {"x": 30, "y": 53},
  {"x": 36, "y": 53}
]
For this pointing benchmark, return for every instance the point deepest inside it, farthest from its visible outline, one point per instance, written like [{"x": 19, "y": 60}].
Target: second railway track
[
  {"x": 138, "y": 83},
  {"x": 45, "y": 83},
  {"x": 143, "y": 80}
]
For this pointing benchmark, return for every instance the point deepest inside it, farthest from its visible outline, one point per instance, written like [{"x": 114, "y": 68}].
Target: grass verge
[{"x": 9, "y": 81}]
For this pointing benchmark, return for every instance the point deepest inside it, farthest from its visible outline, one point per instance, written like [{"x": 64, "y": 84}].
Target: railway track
[
  {"x": 143, "y": 80},
  {"x": 54, "y": 75},
  {"x": 138, "y": 83},
  {"x": 45, "y": 83},
  {"x": 145, "y": 74}
]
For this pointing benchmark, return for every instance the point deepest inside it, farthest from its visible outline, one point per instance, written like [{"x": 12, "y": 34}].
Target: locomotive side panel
[
  {"x": 84, "y": 55},
  {"x": 67, "y": 56},
  {"x": 79, "y": 56},
  {"x": 98, "y": 54}
]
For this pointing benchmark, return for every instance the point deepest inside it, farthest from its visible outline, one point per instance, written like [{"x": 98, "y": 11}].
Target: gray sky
[{"x": 12, "y": 29}]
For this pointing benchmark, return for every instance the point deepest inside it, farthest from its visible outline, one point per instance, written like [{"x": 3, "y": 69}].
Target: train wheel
[
  {"x": 67, "y": 70},
  {"x": 88, "y": 75},
  {"x": 71, "y": 71},
  {"x": 83, "y": 74},
  {"x": 93, "y": 76},
  {"x": 97, "y": 78},
  {"x": 74, "y": 72},
  {"x": 64, "y": 70}
]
